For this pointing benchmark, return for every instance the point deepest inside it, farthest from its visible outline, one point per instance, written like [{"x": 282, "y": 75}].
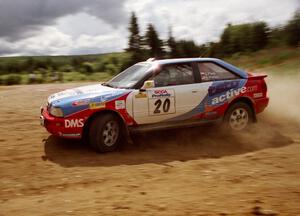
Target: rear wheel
[
  {"x": 105, "y": 133},
  {"x": 238, "y": 117}
]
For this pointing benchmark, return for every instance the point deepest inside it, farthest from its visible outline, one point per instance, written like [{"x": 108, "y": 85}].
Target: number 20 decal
[{"x": 165, "y": 106}]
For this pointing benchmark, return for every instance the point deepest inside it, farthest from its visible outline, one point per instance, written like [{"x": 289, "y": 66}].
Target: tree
[
  {"x": 188, "y": 48},
  {"x": 259, "y": 35},
  {"x": 76, "y": 62},
  {"x": 29, "y": 64},
  {"x": 225, "y": 42},
  {"x": 153, "y": 42},
  {"x": 171, "y": 42},
  {"x": 247, "y": 37},
  {"x": 134, "y": 42},
  {"x": 293, "y": 30}
]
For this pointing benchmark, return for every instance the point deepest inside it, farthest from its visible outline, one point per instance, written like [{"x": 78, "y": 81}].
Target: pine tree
[
  {"x": 134, "y": 43},
  {"x": 154, "y": 44},
  {"x": 259, "y": 35},
  {"x": 171, "y": 42},
  {"x": 293, "y": 30}
]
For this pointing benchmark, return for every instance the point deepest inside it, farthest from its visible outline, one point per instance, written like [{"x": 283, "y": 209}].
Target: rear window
[{"x": 211, "y": 72}]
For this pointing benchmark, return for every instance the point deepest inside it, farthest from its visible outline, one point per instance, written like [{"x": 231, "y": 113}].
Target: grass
[
  {"x": 77, "y": 76},
  {"x": 66, "y": 77},
  {"x": 63, "y": 58},
  {"x": 281, "y": 60}
]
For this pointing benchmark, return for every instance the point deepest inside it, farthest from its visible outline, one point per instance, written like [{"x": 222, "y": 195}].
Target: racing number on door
[
  {"x": 161, "y": 102},
  {"x": 165, "y": 105}
]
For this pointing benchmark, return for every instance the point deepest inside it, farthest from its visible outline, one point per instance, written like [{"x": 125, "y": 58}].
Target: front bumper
[{"x": 56, "y": 126}]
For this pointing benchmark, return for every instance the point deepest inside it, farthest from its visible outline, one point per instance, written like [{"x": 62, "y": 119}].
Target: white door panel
[{"x": 163, "y": 103}]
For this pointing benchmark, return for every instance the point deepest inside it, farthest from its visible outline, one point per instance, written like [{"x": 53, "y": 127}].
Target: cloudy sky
[{"x": 62, "y": 27}]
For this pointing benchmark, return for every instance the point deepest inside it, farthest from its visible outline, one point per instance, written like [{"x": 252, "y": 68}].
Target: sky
[{"x": 71, "y": 27}]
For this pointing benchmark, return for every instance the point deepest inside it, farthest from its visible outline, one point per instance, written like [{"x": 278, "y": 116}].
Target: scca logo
[
  {"x": 162, "y": 91},
  {"x": 73, "y": 123}
]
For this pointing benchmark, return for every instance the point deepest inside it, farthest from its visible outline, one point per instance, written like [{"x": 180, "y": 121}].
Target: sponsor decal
[
  {"x": 211, "y": 115},
  {"x": 229, "y": 94},
  {"x": 141, "y": 95},
  {"x": 72, "y": 123},
  {"x": 120, "y": 104},
  {"x": 258, "y": 95},
  {"x": 80, "y": 102},
  {"x": 162, "y": 93},
  {"x": 222, "y": 87},
  {"x": 252, "y": 88},
  {"x": 70, "y": 135},
  {"x": 97, "y": 105}
]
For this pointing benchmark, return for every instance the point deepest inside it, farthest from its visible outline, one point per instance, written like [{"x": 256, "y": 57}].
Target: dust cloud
[
  {"x": 284, "y": 93},
  {"x": 277, "y": 126}
]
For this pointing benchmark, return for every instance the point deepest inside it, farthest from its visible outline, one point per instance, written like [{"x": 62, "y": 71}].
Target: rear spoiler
[{"x": 256, "y": 76}]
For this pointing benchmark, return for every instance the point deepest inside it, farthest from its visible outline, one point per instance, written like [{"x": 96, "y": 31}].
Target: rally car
[{"x": 156, "y": 94}]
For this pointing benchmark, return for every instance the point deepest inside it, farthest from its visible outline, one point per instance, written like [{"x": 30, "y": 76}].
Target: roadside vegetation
[
  {"x": 249, "y": 46},
  {"x": 278, "y": 61}
]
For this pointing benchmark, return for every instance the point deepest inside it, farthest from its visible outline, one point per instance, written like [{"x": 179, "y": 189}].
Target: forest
[{"x": 235, "y": 40}]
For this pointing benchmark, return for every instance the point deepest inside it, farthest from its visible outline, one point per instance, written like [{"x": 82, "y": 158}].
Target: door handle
[{"x": 194, "y": 91}]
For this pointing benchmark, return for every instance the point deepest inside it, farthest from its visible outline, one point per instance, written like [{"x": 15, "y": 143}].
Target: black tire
[
  {"x": 101, "y": 137},
  {"x": 238, "y": 117}
]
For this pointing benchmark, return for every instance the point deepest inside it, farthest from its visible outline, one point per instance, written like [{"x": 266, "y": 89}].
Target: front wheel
[
  {"x": 105, "y": 133},
  {"x": 238, "y": 117}
]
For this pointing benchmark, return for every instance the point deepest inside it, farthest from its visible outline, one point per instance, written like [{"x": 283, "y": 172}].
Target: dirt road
[{"x": 191, "y": 172}]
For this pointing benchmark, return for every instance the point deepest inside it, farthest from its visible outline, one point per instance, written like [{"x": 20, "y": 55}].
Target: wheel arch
[
  {"x": 103, "y": 112},
  {"x": 245, "y": 100}
]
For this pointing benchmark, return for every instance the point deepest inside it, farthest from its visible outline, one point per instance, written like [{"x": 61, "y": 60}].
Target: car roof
[
  {"x": 220, "y": 62},
  {"x": 182, "y": 60}
]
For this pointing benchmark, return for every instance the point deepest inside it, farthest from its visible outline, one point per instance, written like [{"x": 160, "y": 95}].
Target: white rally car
[{"x": 156, "y": 94}]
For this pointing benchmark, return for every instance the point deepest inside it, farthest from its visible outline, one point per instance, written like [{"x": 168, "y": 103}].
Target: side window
[
  {"x": 210, "y": 72},
  {"x": 177, "y": 74}
]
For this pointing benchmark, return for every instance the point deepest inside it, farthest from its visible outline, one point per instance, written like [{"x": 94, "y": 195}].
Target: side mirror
[{"x": 148, "y": 84}]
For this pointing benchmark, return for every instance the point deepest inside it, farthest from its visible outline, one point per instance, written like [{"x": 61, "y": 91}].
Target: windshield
[{"x": 130, "y": 77}]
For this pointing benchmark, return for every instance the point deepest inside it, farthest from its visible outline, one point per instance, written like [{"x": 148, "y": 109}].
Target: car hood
[{"x": 76, "y": 99}]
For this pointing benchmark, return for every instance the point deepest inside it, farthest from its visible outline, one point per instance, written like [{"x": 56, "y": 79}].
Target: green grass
[
  {"x": 66, "y": 77},
  {"x": 282, "y": 60},
  {"x": 77, "y": 76},
  {"x": 102, "y": 67},
  {"x": 64, "y": 58}
]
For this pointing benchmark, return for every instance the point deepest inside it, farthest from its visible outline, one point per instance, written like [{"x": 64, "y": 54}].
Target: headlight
[{"x": 55, "y": 111}]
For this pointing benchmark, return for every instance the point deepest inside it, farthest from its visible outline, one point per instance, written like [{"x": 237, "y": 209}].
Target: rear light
[{"x": 264, "y": 86}]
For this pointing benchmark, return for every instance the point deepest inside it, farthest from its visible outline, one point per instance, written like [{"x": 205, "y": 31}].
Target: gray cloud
[
  {"x": 23, "y": 18},
  {"x": 57, "y": 27}
]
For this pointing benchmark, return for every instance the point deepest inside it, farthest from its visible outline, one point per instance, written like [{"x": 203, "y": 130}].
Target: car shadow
[{"x": 161, "y": 147}]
